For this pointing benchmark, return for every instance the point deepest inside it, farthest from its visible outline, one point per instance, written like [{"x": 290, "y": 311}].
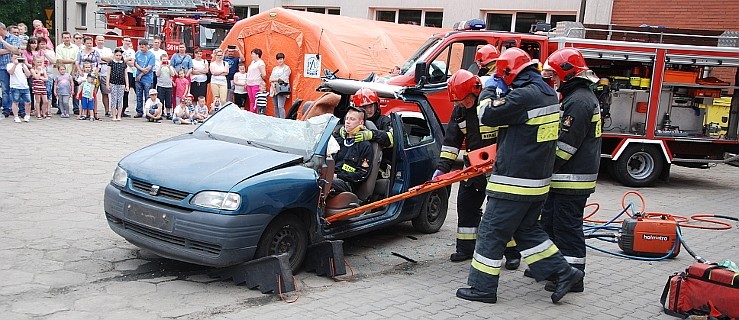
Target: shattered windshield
[
  {"x": 297, "y": 137},
  {"x": 420, "y": 55}
]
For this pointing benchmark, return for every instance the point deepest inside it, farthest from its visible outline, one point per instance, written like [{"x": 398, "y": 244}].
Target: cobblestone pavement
[{"x": 59, "y": 259}]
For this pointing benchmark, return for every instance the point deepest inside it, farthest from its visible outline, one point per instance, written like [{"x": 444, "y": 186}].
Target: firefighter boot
[
  {"x": 527, "y": 273},
  {"x": 552, "y": 285},
  {"x": 460, "y": 256},
  {"x": 512, "y": 258},
  {"x": 566, "y": 279},
  {"x": 473, "y": 294}
]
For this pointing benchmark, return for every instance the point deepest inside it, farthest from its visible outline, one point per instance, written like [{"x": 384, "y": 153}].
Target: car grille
[
  {"x": 163, "y": 192},
  {"x": 205, "y": 247}
]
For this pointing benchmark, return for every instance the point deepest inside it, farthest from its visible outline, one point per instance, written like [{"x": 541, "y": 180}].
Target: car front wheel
[
  {"x": 433, "y": 212},
  {"x": 285, "y": 234}
]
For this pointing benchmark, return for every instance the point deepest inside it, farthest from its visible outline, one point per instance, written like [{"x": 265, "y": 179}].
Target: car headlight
[
  {"x": 217, "y": 200},
  {"x": 120, "y": 177}
]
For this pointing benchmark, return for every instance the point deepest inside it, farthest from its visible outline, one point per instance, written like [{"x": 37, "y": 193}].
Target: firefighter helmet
[
  {"x": 365, "y": 96},
  {"x": 486, "y": 54},
  {"x": 463, "y": 83},
  {"x": 510, "y": 63},
  {"x": 568, "y": 63}
]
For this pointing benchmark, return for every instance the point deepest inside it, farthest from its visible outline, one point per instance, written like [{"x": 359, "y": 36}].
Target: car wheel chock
[
  {"x": 326, "y": 258},
  {"x": 264, "y": 273}
]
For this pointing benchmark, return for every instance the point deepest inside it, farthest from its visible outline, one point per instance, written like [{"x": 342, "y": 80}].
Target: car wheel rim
[
  {"x": 285, "y": 241},
  {"x": 640, "y": 165},
  {"x": 433, "y": 208}
]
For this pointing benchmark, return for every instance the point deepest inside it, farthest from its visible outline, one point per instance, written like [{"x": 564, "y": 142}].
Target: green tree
[{"x": 15, "y": 11}]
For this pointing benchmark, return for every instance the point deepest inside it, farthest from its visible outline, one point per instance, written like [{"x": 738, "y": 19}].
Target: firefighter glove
[{"x": 363, "y": 135}]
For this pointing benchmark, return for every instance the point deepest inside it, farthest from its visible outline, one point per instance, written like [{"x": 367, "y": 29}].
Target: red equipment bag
[{"x": 703, "y": 289}]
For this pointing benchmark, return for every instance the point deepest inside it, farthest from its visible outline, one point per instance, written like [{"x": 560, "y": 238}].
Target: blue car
[{"x": 243, "y": 186}]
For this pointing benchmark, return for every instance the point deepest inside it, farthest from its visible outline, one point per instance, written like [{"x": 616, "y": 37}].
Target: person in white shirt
[
  {"x": 153, "y": 107},
  {"x": 66, "y": 54},
  {"x": 128, "y": 57},
  {"x": 106, "y": 55},
  {"x": 156, "y": 49},
  {"x": 19, "y": 90}
]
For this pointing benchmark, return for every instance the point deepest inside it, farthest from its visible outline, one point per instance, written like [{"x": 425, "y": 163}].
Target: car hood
[{"x": 192, "y": 164}]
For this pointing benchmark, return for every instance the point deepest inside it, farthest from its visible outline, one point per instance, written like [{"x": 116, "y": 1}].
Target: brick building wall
[{"x": 685, "y": 14}]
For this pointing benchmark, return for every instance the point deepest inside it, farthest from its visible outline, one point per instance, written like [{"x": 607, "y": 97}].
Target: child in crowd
[
  {"x": 153, "y": 107},
  {"x": 118, "y": 83},
  {"x": 82, "y": 79},
  {"x": 181, "y": 86},
  {"x": 19, "y": 74},
  {"x": 181, "y": 113},
  {"x": 215, "y": 106},
  {"x": 38, "y": 86},
  {"x": 165, "y": 76},
  {"x": 240, "y": 93},
  {"x": 260, "y": 99},
  {"x": 86, "y": 93},
  {"x": 201, "y": 110},
  {"x": 63, "y": 89}
]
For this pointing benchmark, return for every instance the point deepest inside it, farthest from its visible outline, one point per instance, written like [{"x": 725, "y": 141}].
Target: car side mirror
[{"x": 419, "y": 74}]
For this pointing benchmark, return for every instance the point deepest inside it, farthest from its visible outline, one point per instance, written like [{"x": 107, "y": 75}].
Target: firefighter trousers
[
  {"x": 502, "y": 220},
  {"x": 469, "y": 212},
  {"x": 561, "y": 218}
]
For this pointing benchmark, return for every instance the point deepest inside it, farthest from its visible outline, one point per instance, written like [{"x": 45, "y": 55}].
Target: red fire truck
[
  {"x": 197, "y": 23},
  {"x": 664, "y": 93}
]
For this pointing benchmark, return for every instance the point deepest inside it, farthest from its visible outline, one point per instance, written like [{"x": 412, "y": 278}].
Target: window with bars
[
  {"x": 522, "y": 21},
  {"x": 324, "y": 10}
]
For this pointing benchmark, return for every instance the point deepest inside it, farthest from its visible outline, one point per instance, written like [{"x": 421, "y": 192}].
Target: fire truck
[
  {"x": 668, "y": 96},
  {"x": 197, "y": 23}
]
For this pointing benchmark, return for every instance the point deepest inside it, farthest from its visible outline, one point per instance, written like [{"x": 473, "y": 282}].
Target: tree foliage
[{"x": 15, "y": 11}]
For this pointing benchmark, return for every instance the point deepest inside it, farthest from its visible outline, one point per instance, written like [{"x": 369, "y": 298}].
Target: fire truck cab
[
  {"x": 668, "y": 96},
  {"x": 198, "y": 23}
]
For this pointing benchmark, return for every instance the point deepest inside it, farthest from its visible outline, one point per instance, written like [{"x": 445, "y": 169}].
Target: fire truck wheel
[
  {"x": 639, "y": 166},
  {"x": 285, "y": 234},
  {"x": 433, "y": 212}
]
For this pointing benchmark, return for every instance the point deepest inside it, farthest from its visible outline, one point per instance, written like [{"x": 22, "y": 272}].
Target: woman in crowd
[
  {"x": 199, "y": 76},
  {"x": 49, "y": 59},
  {"x": 255, "y": 75},
  {"x": 218, "y": 72},
  {"x": 280, "y": 75}
]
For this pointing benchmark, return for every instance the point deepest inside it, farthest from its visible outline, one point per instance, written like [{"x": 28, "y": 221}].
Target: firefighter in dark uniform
[
  {"x": 353, "y": 160},
  {"x": 368, "y": 100},
  {"x": 464, "y": 88},
  {"x": 577, "y": 157},
  {"x": 528, "y": 123}
]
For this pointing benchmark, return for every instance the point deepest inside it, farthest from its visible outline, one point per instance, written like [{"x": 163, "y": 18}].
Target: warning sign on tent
[{"x": 312, "y": 67}]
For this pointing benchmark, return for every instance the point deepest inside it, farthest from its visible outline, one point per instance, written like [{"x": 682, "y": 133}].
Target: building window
[
  {"x": 433, "y": 19},
  {"x": 414, "y": 17},
  {"x": 561, "y": 17},
  {"x": 522, "y": 21},
  {"x": 245, "y": 12},
  {"x": 324, "y": 10},
  {"x": 499, "y": 21},
  {"x": 82, "y": 13}
]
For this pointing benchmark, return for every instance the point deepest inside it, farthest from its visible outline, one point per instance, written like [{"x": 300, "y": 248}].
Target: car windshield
[
  {"x": 296, "y": 137},
  {"x": 428, "y": 47},
  {"x": 211, "y": 38}
]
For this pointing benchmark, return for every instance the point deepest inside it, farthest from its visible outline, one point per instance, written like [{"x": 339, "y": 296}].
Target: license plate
[{"x": 148, "y": 217}]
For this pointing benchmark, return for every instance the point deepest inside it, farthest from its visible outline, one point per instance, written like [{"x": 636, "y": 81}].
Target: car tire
[
  {"x": 285, "y": 234},
  {"x": 433, "y": 212},
  {"x": 639, "y": 166}
]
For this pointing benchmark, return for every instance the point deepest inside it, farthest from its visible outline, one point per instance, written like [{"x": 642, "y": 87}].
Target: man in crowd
[
  {"x": 156, "y": 49},
  {"x": 233, "y": 61},
  {"x": 66, "y": 54},
  {"x": 144, "y": 64},
  {"x": 8, "y": 43}
]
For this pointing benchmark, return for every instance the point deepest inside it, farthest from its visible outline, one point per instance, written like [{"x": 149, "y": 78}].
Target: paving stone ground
[{"x": 59, "y": 259}]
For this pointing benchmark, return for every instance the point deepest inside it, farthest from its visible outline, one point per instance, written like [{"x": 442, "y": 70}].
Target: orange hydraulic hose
[{"x": 681, "y": 220}]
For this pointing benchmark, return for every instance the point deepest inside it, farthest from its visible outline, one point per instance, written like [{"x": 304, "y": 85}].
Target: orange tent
[{"x": 356, "y": 47}]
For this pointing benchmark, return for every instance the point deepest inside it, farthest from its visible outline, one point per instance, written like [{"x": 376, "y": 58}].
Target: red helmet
[
  {"x": 486, "y": 54},
  {"x": 365, "y": 96},
  {"x": 510, "y": 63},
  {"x": 567, "y": 63},
  {"x": 462, "y": 83}
]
